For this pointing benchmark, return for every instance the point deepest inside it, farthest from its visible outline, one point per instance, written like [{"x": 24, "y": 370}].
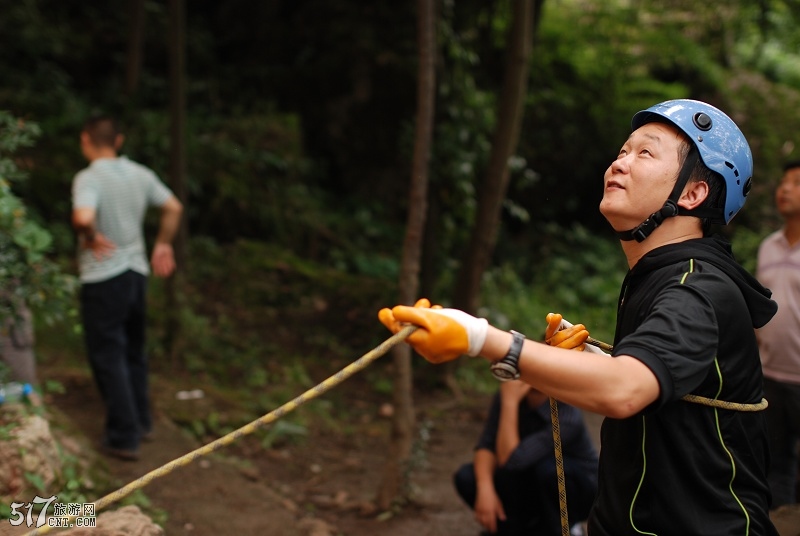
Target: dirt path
[{"x": 321, "y": 486}]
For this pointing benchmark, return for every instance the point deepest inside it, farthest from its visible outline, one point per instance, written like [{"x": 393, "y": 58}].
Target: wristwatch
[{"x": 508, "y": 368}]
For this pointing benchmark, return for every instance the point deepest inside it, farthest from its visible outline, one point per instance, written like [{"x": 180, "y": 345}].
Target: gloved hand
[
  {"x": 571, "y": 338},
  {"x": 444, "y": 334}
]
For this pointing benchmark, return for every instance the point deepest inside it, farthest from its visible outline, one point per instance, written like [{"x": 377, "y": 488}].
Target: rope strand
[{"x": 562, "y": 480}]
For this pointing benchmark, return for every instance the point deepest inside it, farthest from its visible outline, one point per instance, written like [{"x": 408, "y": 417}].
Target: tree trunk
[
  {"x": 177, "y": 164},
  {"x": 394, "y": 483},
  {"x": 492, "y": 191},
  {"x": 133, "y": 67}
]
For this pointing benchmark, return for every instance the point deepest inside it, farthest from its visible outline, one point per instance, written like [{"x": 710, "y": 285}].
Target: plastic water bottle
[{"x": 14, "y": 391}]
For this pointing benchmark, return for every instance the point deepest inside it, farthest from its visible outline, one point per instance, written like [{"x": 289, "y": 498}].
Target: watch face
[{"x": 504, "y": 371}]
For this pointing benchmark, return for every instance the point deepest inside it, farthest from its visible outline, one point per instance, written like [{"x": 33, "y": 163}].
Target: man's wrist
[{"x": 507, "y": 368}]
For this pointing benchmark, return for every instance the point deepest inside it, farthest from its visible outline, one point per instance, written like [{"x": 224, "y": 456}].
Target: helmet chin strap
[{"x": 670, "y": 208}]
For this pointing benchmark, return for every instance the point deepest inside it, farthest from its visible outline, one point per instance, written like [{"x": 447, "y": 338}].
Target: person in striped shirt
[
  {"x": 779, "y": 341},
  {"x": 110, "y": 199}
]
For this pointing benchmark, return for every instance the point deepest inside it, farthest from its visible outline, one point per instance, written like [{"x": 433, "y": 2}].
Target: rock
[
  {"x": 127, "y": 521},
  {"x": 30, "y": 448},
  {"x": 315, "y": 527}
]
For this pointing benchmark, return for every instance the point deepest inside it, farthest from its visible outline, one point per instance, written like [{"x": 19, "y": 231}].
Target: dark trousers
[
  {"x": 530, "y": 497},
  {"x": 113, "y": 314},
  {"x": 783, "y": 425}
]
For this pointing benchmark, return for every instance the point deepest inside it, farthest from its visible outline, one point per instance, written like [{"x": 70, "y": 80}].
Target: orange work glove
[
  {"x": 573, "y": 338},
  {"x": 444, "y": 334}
]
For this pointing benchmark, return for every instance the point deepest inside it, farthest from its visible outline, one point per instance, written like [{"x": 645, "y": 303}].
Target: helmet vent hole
[{"x": 731, "y": 166}]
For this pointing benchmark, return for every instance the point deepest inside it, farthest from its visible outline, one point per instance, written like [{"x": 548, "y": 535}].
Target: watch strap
[{"x": 507, "y": 368}]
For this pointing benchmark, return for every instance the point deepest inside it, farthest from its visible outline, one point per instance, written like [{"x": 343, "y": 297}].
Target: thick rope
[
  {"x": 247, "y": 429},
  {"x": 697, "y": 399},
  {"x": 562, "y": 481},
  {"x": 736, "y": 406}
]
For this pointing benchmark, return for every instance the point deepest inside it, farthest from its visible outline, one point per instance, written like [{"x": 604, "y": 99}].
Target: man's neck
[
  {"x": 672, "y": 231},
  {"x": 102, "y": 152},
  {"x": 791, "y": 230}
]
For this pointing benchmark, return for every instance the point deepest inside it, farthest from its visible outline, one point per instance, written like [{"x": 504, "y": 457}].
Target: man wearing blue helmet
[{"x": 683, "y": 445}]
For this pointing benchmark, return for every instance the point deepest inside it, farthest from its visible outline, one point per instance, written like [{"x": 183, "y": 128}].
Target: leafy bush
[
  {"x": 27, "y": 275},
  {"x": 579, "y": 276}
]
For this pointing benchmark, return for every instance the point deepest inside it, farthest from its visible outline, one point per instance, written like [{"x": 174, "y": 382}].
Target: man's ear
[
  {"x": 118, "y": 141},
  {"x": 693, "y": 195}
]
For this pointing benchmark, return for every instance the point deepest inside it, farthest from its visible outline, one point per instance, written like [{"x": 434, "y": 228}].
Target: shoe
[{"x": 127, "y": 455}]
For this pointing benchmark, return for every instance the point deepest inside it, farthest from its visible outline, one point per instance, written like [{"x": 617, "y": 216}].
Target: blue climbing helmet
[{"x": 717, "y": 141}]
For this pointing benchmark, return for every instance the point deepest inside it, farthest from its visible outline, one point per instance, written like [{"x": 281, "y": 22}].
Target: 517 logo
[{"x": 64, "y": 515}]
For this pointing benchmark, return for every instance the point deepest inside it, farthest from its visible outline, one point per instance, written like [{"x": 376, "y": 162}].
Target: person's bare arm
[
  {"x": 170, "y": 221},
  {"x": 616, "y": 387},
  {"x": 488, "y": 507},
  {"x": 83, "y": 221},
  {"x": 163, "y": 257},
  {"x": 511, "y": 394}
]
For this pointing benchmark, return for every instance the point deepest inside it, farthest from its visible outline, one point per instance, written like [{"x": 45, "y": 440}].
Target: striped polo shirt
[
  {"x": 121, "y": 191},
  {"x": 779, "y": 340}
]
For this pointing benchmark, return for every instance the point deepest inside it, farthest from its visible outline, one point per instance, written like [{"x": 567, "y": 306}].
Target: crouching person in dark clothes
[{"x": 512, "y": 483}]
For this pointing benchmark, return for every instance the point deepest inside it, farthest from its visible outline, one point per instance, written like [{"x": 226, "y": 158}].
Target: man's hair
[
  {"x": 103, "y": 130},
  {"x": 701, "y": 173},
  {"x": 790, "y": 164}
]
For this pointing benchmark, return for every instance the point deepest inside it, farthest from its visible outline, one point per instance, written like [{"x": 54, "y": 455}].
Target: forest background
[{"x": 290, "y": 130}]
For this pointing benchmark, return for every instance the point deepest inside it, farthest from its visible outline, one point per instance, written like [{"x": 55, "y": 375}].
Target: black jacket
[{"x": 688, "y": 312}]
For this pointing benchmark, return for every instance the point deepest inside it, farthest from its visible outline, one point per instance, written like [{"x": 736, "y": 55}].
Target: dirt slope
[{"x": 318, "y": 487}]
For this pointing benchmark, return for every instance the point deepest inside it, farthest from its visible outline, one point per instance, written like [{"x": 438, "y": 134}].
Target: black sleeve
[{"x": 677, "y": 340}]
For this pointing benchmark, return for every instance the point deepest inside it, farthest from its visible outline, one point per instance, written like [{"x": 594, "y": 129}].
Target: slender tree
[
  {"x": 177, "y": 159},
  {"x": 492, "y": 190},
  {"x": 395, "y": 473},
  {"x": 133, "y": 65}
]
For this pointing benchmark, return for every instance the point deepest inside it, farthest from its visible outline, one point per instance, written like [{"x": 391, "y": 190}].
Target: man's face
[
  {"x": 787, "y": 196},
  {"x": 640, "y": 180}
]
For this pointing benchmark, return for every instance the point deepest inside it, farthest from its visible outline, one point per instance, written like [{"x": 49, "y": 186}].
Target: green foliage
[
  {"x": 283, "y": 432},
  {"x": 27, "y": 275},
  {"x": 302, "y": 137},
  {"x": 298, "y": 140},
  {"x": 745, "y": 243},
  {"x": 462, "y": 138},
  {"x": 579, "y": 276},
  {"x": 35, "y": 480},
  {"x": 252, "y": 173},
  {"x": 474, "y": 375}
]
